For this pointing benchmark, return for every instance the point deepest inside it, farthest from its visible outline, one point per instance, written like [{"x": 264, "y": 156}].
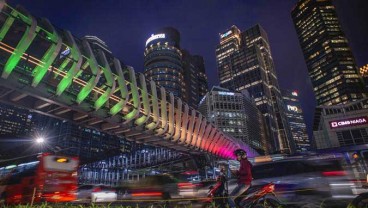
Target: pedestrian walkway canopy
[{"x": 52, "y": 72}]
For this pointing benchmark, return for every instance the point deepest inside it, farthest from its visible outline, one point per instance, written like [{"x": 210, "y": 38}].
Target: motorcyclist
[
  {"x": 219, "y": 191},
  {"x": 244, "y": 175},
  {"x": 219, "y": 187}
]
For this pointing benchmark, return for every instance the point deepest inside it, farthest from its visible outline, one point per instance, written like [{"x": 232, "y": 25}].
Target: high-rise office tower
[
  {"x": 236, "y": 114},
  {"x": 202, "y": 77},
  {"x": 195, "y": 79},
  {"x": 244, "y": 61},
  {"x": 190, "y": 72},
  {"x": 173, "y": 68},
  {"x": 296, "y": 120},
  {"x": 163, "y": 60},
  {"x": 330, "y": 62}
]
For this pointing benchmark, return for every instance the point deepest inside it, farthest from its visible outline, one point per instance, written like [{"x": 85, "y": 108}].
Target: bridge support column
[{"x": 144, "y": 158}]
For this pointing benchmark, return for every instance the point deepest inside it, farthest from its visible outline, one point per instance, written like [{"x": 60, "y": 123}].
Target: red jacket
[
  {"x": 245, "y": 172},
  {"x": 217, "y": 189}
]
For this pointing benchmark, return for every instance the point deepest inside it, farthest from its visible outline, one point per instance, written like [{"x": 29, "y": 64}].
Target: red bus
[{"x": 52, "y": 178}]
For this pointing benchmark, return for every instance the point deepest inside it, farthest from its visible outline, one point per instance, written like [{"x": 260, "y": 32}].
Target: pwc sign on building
[{"x": 349, "y": 122}]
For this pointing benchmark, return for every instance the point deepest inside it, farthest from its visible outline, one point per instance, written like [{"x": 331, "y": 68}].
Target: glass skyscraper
[
  {"x": 88, "y": 144},
  {"x": 16, "y": 122},
  {"x": 296, "y": 120},
  {"x": 163, "y": 60},
  {"x": 244, "y": 61},
  {"x": 195, "y": 79},
  {"x": 236, "y": 114},
  {"x": 330, "y": 62},
  {"x": 174, "y": 68},
  {"x": 20, "y": 127},
  {"x": 202, "y": 77},
  {"x": 17, "y": 131}
]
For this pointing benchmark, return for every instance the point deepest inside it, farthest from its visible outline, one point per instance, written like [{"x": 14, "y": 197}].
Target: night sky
[{"x": 126, "y": 25}]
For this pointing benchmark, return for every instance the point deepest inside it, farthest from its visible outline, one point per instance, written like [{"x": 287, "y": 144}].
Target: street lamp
[
  {"x": 40, "y": 140},
  {"x": 40, "y": 143}
]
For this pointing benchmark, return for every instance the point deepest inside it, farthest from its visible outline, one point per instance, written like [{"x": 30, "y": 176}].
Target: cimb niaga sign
[{"x": 349, "y": 122}]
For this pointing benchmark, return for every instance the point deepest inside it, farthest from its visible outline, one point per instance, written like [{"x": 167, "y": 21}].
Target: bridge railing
[{"x": 126, "y": 167}]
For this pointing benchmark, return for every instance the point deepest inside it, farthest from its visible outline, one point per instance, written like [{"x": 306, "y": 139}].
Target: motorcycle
[
  {"x": 259, "y": 198},
  {"x": 361, "y": 201},
  {"x": 263, "y": 197},
  {"x": 218, "y": 194}
]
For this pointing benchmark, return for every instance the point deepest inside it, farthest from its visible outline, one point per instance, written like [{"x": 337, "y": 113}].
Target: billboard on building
[{"x": 349, "y": 122}]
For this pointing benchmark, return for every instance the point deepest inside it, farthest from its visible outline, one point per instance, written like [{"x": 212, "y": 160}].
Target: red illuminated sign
[{"x": 349, "y": 122}]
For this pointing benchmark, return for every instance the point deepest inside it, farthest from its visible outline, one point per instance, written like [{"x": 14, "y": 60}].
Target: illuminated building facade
[
  {"x": 86, "y": 143},
  {"x": 15, "y": 122},
  {"x": 295, "y": 117},
  {"x": 174, "y": 68},
  {"x": 341, "y": 125},
  {"x": 235, "y": 114},
  {"x": 330, "y": 62},
  {"x": 225, "y": 53},
  {"x": 163, "y": 60},
  {"x": 364, "y": 73},
  {"x": 202, "y": 77},
  {"x": 244, "y": 61},
  {"x": 195, "y": 79},
  {"x": 17, "y": 128}
]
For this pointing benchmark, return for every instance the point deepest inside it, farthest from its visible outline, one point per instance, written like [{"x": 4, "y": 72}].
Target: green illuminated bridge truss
[{"x": 50, "y": 71}]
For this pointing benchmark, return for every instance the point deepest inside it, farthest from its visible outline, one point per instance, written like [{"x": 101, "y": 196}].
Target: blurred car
[
  {"x": 153, "y": 187},
  {"x": 163, "y": 186},
  {"x": 96, "y": 193},
  {"x": 189, "y": 184},
  {"x": 297, "y": 180}
]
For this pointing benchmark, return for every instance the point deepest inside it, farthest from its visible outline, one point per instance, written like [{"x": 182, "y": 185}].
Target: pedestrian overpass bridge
[{"x": 50, "y": 71}]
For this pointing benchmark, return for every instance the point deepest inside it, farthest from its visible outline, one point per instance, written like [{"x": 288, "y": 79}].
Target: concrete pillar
[
  {"x": 135, "y": 159},
  {"x": 131, "y": 160},
  {"x": 144, "y": 158},
  {"x": 148, "y": 157},
  {"x": 156, "y": 155}
]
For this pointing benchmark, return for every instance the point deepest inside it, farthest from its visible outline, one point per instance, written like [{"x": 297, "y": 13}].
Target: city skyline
[
  {"x": 80, "y": 105},
  {"x": 200, "y": 31}
]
